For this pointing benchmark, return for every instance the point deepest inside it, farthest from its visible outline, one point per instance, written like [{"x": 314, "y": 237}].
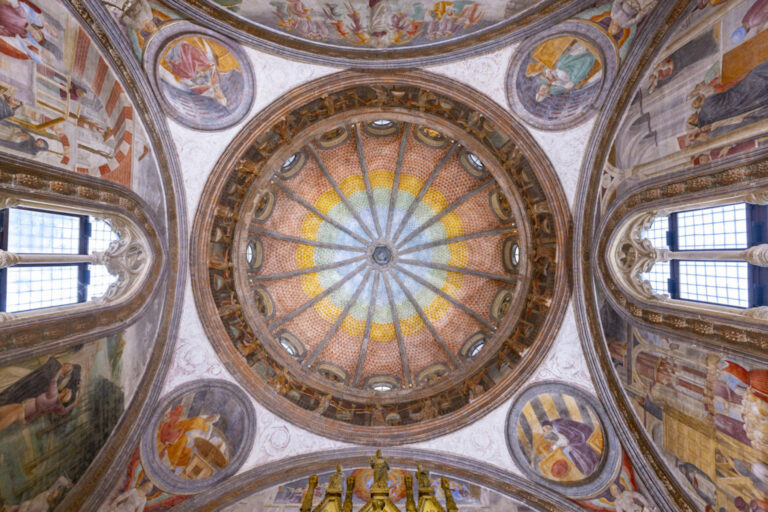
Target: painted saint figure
[
  {"x": 628, "y": 13},
  {"x": 572, "y": 436},
  {"x": 563, "y": 64},
  {"x": 18, "y": 139},
  {"x": 51, "y": 389},
  {"x": 193, "y": 66},
  {"x": 179, "y": 439},
  {"x": 21, "y": 30}
]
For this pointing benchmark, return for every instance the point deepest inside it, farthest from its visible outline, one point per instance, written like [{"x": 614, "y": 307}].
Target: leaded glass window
[
  {"x": 28, "y": 286},
  {"x": 730, "y": 227}
]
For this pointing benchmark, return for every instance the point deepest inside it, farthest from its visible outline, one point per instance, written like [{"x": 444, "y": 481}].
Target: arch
[
  {"x": 605, "y": 182},
  {"x": 36, "y": 185},
  {"x": 621, "y": 237}
]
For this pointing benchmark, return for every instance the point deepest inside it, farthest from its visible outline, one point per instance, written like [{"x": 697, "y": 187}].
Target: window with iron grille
[
  {"x": 735, "y": 226},
  {"x": 28, "y": 286}
]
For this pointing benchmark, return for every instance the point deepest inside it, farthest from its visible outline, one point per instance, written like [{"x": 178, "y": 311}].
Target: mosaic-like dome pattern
[{"x": 387, "y": 255}]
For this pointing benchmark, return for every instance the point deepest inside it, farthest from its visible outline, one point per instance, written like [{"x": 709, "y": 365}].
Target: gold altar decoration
[{"x": 380, "y": 501}]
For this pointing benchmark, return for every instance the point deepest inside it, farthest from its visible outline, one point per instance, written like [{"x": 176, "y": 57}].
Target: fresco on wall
[
  {"x": 204, "y": 81},
  {"x": 59, "y": 102},
  {"x": 705, "y": 410},
  {"x": 705, "y": 97},
  {"x": 378, "y": 23},
  {"x": 138, "y": 493},
  {"x": 557, "y": 438},
  {"x": 198, "y": 436},
  {"x": 558, "y": 78},
  {"x": 56, "y": 412}
]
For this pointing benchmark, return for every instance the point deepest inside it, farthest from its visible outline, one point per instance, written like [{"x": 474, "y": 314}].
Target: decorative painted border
[
  {"x": 575, "y": 28},
  {"x": 168, "y": 481},
  {"x": 610, "y": 465},
  {"x": 175, "y": 31},
  {"x": 489, "y": 131},
  {"x": 221, "y": 19},
  {"x": 275, "y": 473}
]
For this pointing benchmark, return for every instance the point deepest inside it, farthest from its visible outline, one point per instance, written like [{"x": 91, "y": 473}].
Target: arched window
[
  {"x": 706, "y": 249},
  {"x": 709, "y": 253},
  {"x": 54, "y": 255},
  {"x": 59, "y": 265}
]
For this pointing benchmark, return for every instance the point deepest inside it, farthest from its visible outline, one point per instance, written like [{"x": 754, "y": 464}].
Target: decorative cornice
[
  {"x": 666, "y": 489},
  {"x": 293, "y": 468}
]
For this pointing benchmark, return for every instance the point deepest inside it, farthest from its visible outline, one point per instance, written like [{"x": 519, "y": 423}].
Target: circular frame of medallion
[
  {"x": 160, "y": 474},
  {"x": 266, "y": 369},
  {"x": 177, "y": 31},
  {"x": 610, "y": 458},
  {"x": 583, "y": 30}
]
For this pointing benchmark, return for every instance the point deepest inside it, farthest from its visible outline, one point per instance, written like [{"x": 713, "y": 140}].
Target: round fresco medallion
[
  {"x": 199, "y": 435},
  {"x": 558, "y": 437},
  {"x": 558, "y": 79},
  {"x": 205, "y": 81}
]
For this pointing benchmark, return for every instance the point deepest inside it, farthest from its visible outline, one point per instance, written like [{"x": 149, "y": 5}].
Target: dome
[
  {"x": 389, "y": 272},
  {"x": 390, "y": 256}
]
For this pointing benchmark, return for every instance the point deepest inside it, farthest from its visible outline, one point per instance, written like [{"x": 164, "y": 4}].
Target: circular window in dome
[{"x": 381, "y": 262}]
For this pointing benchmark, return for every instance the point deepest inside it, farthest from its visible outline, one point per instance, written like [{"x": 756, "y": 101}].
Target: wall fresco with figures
[
  {"x": 59, "y": 102},
  {"x": 707, "y": 411},
  {"x": 704, "y": 98},
  {"x": 56, "y": 412}
]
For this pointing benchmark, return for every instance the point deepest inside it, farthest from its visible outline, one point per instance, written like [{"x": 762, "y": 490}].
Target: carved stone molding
[
  {"x": 712, "y": 324},
  {"x": 118, "y": 52},
  {"x": 669, "y": 494}
]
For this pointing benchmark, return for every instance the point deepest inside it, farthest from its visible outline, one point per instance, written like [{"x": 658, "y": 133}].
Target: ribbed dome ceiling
[{"x": 389, "y": 255}]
